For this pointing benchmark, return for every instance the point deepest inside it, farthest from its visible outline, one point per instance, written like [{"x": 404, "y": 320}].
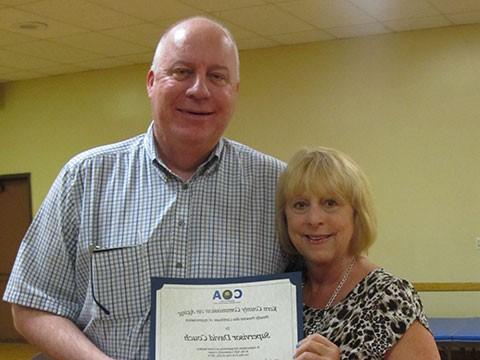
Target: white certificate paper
[{"x": 252, "y": 318}]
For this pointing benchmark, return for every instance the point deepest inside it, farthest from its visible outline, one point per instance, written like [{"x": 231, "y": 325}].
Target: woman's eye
[
  {"x": 330, "y": 203},
  {"x": 299, "y": 205}
]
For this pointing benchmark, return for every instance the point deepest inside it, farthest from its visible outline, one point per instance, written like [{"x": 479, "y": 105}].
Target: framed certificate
[{"x": 249, "y": 318}]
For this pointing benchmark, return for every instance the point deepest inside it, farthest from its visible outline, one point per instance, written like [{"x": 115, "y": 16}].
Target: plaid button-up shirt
[{"x": 115, "y": 216}]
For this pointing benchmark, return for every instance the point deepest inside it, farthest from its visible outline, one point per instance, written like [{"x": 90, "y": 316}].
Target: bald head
[
  {"x": 199, "y": 27},
  {"x": 192, "y": 86}
]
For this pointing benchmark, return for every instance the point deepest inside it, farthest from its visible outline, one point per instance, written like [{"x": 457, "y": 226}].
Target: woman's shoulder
[
  {"x": 383, "y": 291},
  {"x": 393, "y": 297},
  {"x": 382, "y": 280}
]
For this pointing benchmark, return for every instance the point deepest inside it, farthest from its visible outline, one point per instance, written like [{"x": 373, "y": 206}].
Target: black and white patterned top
[{"x": 371, "y": 319}]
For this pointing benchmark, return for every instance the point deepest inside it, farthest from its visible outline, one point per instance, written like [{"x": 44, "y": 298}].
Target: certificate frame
[{"x": 226, "y": 294}]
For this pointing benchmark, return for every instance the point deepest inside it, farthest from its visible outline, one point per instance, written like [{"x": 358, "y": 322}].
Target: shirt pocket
[{"x": 120, "y": 281}]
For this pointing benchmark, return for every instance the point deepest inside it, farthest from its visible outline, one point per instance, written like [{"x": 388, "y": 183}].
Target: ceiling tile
[
  {"x": 15, "y": 2},
  {"x": 265, "y": 20},
  {"x": 51, "y": 51},
  {"x": 359, "y": 30},
  {"x": 101, "y": 44},
  {"x": 465, "y": 18},
  {"x": 11, "y": 19},
  {"x": 104, "y": 63},
  {"x": 256, "y": 43},
  {"x": 107, "y": 33},
  {"x": 456, "y": 6},
  {"x": 80, "y": 13},
  {"x": 237, "y": 31},
  {"x": 23, "y": 62},
  {"x": 302, "y": 37},
  {"x": 6, "y": 70},
  {"x": 62, "y": 69},
  {"x": 151, "y": 10},
  {"x": 419, "y": 23},
  {"x": 7, "y": 37},
  {"x": 144, "y": 34},
  {"x": 327, "y": 13},
  {"x": 396, "y": 9},
  {"x": 20, "y": 75},
  {"x": 220, "y": 5},
  {"x": 143, "y": 58}
]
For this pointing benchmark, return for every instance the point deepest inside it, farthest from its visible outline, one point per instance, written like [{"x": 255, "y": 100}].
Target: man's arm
[{"x": 54, "y": 335}]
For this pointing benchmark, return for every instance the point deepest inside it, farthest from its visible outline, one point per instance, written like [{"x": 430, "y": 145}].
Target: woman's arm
[{"x": 417, "y": 343}]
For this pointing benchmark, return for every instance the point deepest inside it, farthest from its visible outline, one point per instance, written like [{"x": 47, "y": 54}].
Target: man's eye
[
  {"x": 218, "y": 78},
  {"x": 181, "y": 73}
]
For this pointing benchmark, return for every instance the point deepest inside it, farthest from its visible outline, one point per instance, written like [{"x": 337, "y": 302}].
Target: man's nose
[{"x": 199, "y": 88}]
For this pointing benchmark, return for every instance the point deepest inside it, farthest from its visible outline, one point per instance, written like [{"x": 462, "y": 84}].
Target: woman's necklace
[{"x": 340, "y": 284}]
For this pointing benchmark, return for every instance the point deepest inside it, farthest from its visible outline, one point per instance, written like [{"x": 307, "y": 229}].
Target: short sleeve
[
  {"x": 43, "y": 276},
  {"x": 390, "y": 314}
]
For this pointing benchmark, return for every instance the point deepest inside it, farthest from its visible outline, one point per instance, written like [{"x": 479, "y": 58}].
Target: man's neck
[{"x": 183, "y": 160}]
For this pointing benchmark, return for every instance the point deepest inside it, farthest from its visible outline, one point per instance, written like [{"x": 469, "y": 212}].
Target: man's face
[{"x": 193, "y": 87}]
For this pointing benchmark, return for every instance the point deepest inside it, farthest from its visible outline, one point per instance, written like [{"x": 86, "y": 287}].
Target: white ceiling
[{"x": 82, "y": 35}]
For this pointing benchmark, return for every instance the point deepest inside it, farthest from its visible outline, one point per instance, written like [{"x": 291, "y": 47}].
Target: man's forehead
[
  {"x": 198, "y": 41},
  {"x": 187, "y": 32},
  {"x": 186, "y": 45},
  {"x": 179, "y": 36}
]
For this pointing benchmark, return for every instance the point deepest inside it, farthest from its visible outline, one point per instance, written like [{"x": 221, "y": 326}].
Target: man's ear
[{"x": 150, "y": 82}]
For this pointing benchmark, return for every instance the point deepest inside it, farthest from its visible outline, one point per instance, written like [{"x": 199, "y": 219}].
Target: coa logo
[{"x": 235, "y": 294}]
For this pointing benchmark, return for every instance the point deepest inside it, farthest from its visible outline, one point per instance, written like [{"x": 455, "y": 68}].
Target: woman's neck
[{"x": 321, "y": 281}]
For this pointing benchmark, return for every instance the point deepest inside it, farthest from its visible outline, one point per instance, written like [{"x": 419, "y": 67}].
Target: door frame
[
  {"x": 20, "y": 176},
  {"x": 24, "y": 178}
]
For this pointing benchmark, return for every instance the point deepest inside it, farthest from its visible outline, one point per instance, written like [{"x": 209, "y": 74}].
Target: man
[{"x": 178, "y": 201}]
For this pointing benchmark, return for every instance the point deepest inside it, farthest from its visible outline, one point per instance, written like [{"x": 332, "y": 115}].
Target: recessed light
[{"x": 31, "y": 25}]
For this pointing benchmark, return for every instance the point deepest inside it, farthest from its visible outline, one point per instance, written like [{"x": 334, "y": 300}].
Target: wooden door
[{"x": 15, "y": 217}]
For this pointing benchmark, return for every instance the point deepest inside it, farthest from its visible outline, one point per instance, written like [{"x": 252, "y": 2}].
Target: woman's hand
[{"x": 316, "y": 347}]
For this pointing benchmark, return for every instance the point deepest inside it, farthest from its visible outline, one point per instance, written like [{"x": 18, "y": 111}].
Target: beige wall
[{"x": 405, "y": 106}]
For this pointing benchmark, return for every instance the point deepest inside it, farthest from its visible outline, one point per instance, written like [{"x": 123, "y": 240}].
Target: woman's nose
[{"x": 315, "y": 216}]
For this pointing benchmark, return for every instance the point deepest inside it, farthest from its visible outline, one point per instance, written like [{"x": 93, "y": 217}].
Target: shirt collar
[
  {"x": 208, "y": 166},
  {"x": 149, "y": 143}
]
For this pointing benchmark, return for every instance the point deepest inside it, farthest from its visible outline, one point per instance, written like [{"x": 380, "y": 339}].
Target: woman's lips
[{"x": 318, "y": 238}]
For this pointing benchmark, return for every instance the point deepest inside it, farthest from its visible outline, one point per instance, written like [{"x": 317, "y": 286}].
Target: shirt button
[
  {"x": 185, "y": 186},
  {"x": 179, "y": 265},
  {"x": 181, "y": 223}
]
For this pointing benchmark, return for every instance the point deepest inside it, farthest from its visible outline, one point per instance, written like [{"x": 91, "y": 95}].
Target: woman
[{"x": 353, "y": 309}]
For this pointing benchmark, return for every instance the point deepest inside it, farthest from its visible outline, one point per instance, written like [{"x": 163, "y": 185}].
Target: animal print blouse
[{"x": 371, "y": 319}]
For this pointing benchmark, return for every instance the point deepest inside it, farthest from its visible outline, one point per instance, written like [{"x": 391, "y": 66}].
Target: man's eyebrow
[
  {"x": 219, "y": 67},
  {"x": 180, "y": 62},
  {"x": 192, "y": 65}
]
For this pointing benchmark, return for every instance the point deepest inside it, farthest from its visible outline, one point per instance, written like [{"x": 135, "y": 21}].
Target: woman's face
[{"x": 321, "y": 229}]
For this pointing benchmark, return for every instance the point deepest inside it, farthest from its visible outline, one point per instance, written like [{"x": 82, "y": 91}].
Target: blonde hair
[{"x": 324, "y": 171}]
